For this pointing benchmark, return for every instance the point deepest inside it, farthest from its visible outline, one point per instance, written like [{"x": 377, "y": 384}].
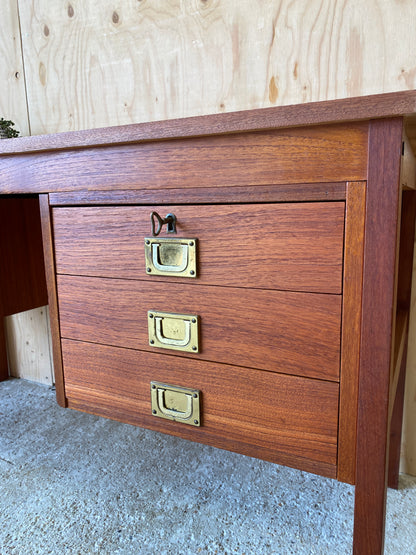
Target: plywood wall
[
  {"x": 77, "y": 64},
  {"x": 12, "y": 78},
  {"x": 28, "y": 339},
  {"x": 92, "y": 63}
]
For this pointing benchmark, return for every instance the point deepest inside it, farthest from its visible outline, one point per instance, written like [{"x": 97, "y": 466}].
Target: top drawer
[{"x": 292, "y": 246}]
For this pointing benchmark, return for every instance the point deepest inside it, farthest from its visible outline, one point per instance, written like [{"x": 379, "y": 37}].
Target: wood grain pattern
[
  {"x": 296, "y": 247},
  {"x": 291, "y": 192},
  {"x": 351, "y": 317},
  {"x": 255, "y": 328},
  {"x": 322, "y": 153},
  {"x": 314, "y": 113},
  {"x": 214, "y": 57},
  {"x": 224, "y": 57},
  {"x": 379, "y": 312},
  {"x": 12, "y": 78},
  {"x": 267, "y": 415},
  {"x": 28, "y": 346}
]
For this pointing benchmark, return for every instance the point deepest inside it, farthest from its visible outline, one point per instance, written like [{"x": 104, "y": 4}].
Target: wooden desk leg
[
  {"x": 4, "y": 370},
  {"x": 396, "y": 428},
  {"x": 378, "y": 319},
  {"x": 404, "y": 290}
]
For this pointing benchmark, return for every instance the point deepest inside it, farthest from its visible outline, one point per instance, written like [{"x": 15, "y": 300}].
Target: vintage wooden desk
[{"x": 241, "y": 280}]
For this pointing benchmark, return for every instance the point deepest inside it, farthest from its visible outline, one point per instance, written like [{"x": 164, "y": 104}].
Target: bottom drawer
[{"x": 285, "y": 419}]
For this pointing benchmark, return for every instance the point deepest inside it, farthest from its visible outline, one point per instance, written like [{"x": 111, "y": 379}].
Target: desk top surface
[{"x": 332, "y": 111}]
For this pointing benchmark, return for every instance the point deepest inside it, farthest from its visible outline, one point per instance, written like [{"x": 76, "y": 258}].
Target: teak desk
[{"x": 241, "y": 280}]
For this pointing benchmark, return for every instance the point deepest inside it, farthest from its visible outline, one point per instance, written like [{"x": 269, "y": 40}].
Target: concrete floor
[{"x": 72, "y": 483}]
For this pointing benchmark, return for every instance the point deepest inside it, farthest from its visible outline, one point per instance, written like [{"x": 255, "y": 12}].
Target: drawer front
[
  {"x": 261, "y": 414},
  {"x": 280, "y": 331},
  {"x": 290, "y": 246}
]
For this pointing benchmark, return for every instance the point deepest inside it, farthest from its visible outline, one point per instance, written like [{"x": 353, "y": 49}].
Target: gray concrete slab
[{"x": 72, "y": 483}]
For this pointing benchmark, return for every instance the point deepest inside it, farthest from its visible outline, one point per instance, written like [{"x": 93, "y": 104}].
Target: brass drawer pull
[
  {"x": 167, "y": 257},
  {"x": 173, "y": 412},
  {"x": 169, "y": 341},
  {"x": 176, "y": 403},
  {"x": 173, "y": 331},
  {"x": 182, "y": 250}
]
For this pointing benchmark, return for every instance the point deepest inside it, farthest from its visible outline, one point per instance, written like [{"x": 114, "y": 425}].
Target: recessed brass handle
[
  {"x": 174, "y": 412},
  {"x": 170, "y": 256},
  {"x": 182, "y": 250},
  {"x": 176, "y": 403},
  {"x": 173, "y": 331},
  {"x": 170, "y": 341}
]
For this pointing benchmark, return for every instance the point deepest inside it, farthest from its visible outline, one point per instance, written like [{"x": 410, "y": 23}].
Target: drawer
[
  {"x": 257, "y": 413},
  {"x": 288, "y": 246},
  {"x": 280, "y": 331}
]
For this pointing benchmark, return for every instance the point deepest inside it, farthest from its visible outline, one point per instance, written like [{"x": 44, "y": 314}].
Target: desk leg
[
  {"x": 4, "y": 371},
  {"x": 396, "y": 428},
  {"x": 377, "y": 326},
  {"x": 404, "y": 289}
]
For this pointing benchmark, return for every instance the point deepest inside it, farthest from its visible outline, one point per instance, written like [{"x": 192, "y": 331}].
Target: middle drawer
[{"x": 287, "y": 332}]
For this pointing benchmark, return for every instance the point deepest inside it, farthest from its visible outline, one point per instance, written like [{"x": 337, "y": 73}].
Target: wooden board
[
  {"x": 323, "y": 153},
  {"x": 281, "y": 418},
  {"x": 291, "y": 192},
  {"x": 49, "y": 261},
  {"x": 214, "y": 57},
  {"x": 350, "y": 340},
  {"x": 12, "y": 79},
  {"x": 377, "y": 333},
  {"x": 255, "y": 328},
  {"x": 28, "y": 345}
]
